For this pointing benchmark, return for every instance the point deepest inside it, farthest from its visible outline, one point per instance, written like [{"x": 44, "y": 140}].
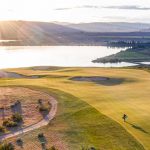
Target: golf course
[{"x": 90, "y": 106}]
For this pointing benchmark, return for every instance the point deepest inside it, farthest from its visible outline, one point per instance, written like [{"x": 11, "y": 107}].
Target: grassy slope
[
  {"x": 128, "y": 97},
  {"x": 77, "y": 122}
]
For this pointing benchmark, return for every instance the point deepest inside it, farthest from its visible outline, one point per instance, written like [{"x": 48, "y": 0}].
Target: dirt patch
[
  {"x": 107, "y": 81},
  {"x": 28, "y": 107}
]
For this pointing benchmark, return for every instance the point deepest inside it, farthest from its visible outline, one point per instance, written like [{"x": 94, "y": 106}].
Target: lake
[{"x": 71, "y": 56}]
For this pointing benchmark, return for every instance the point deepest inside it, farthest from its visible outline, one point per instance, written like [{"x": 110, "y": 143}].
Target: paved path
[{"x": 43, "y": 122}]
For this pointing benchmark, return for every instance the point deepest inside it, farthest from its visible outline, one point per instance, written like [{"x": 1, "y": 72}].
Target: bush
[
  {"x": 40, "y": 101},
  {"x": 19, "y": 142},
  {"x": 17, "y": 102},
  {"x": 43, "y": 108},
  {"x": 16, "y": 117},
  {"x": 2, "y": 129},
  {"x": 40, "y": 135},
  {"x": 88, "y": 148},
  {"x": 53, "y": 148},
  {"x": 9, "y": 123},
  {"x": 7, "y": 146}
]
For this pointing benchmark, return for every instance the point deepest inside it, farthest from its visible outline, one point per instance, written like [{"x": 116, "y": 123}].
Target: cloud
[
  {"x": 115, "y": 17},
  {"x": 90, "y": 6},
  {"x": 10, "y": 10},
  {"x": 63, "y": 8},
  {"x": 129, "y": 7},
  {"x": 79, "y": 7}
]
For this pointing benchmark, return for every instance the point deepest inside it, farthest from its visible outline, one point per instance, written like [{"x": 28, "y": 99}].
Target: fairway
[{"x": 127, "y": 93}]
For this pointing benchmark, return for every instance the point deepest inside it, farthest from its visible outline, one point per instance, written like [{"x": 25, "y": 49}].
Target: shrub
[
  {"x": 9, "y": 123},
  {"x": 53, "y": 148},
  {"x": 19, "y": 142},
  {"x": 12, "y": 106},
  {"x": 7, "y": 146},
  {"x": 40, "y": 101},
  {"x": 2, "y": 129},
  {"x": 16, "y": 117},
  {"x": 2, "y": 108},
  {"x": 40, "y": 135},
  {"x": 17, "y": 102},
  {"x": 43, "y": 108},
  {"x": 88, "y": 148}
]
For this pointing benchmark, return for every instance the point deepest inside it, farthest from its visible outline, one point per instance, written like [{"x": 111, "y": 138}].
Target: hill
[
  {"x": 110, "y": 27},
  {"x": 26, "y": 33}
]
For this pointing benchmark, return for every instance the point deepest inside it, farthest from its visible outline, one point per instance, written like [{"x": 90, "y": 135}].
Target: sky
[{"x": 76, "y": 11}]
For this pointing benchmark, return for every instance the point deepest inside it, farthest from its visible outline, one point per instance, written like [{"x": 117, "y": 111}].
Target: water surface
[{"x": 80, "y": 56}]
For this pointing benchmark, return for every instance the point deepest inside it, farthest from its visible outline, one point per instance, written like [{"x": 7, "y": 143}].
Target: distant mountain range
[
  {"x": 110, "y": 27},
  {"x": 45, "y": 33},
  {"x": 35, "y": 32}
]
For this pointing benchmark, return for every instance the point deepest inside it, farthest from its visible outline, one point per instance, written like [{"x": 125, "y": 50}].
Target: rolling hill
[
  {"x": 110, "y": 27},
  {"x": 29, "y": 33}
]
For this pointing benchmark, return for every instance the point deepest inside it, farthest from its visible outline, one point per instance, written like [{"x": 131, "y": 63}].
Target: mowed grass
[{"x": 85, "y": 125}]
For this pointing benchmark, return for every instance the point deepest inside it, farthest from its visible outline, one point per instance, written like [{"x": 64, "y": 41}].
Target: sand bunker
[
  {"x": 100, "y": 80},
  {"x": 93, "y": 78},
  {"x": 4, "y": 74}
]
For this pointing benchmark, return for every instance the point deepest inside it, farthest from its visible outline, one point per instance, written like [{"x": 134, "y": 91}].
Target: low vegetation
[
  {"x": 88, "y": 148},
  {"x": 53, "y": 148},
  {"x": 16, "y": 117},
  {"x": 13, "y": 121},
  {"x": 9, "y": 123},
  {"x": 2, "y": 129},
  {"x": 40, "y": 135},
  {"x": 6, "y": 146},
  {"x": 43, "y": 107}
]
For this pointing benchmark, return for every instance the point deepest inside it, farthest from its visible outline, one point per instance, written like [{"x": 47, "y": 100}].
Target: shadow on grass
[
  {"x": 17, "y": 107},
  {"x": 138, "y": 128}
]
